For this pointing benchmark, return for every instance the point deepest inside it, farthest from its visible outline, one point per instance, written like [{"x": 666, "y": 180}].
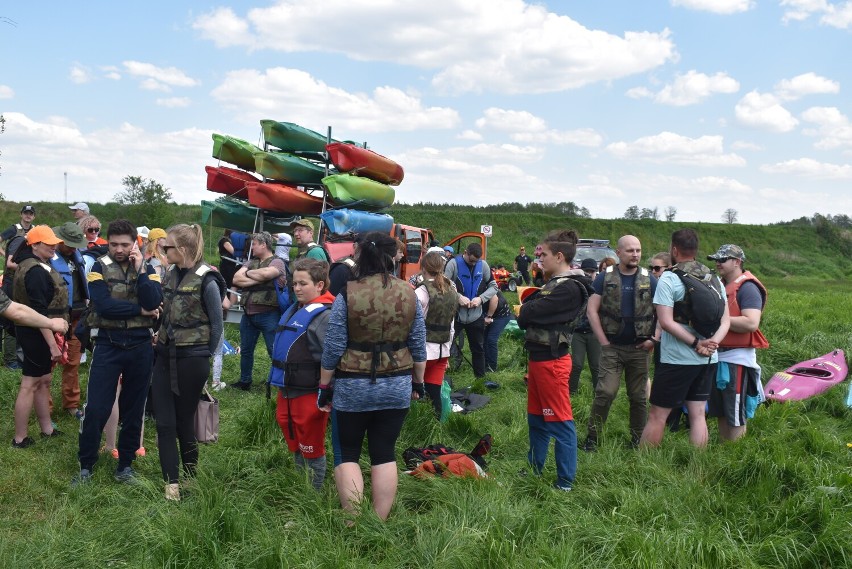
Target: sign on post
[{"x": 486, "y": 230}]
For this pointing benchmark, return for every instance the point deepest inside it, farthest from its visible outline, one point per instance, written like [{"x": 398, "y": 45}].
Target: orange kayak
[
  {"x": 364, "y": 162},
  {"x": 228, "y": 181},
  {"x": 283, "y": 198}
]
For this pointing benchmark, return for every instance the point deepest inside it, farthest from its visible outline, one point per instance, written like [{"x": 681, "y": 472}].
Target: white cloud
[
  {"x": 6, "y": 92},
  {"x": 764, "y": 112},
  {"x": 639, "y": 93},
  {"x": 53, "y": 132},
  {"x": 668, "y": 147},
  {"x": 745, "y": 145},
  {"x": 111, "y": 72},
  {"x": 80, "y": 74},
  {"x": 805, "y": 84},
  {"x": 174, "y": 102},
  {"x": 469, "y": 135},
  {"x": 579, "y": 137},
  {"x": 505, "y": 46},
  {"x": 155, "y": 78},
  {"x": 835, "y": 129},
  {"x": 835, "y": 15},
  {"x": 510, "y": 121},
  {"x": 296, "y": 95},
  {"x": 717, "y": 6},
  {"x": 694, "y": 87},
  {"x": 810, "y": 168}
]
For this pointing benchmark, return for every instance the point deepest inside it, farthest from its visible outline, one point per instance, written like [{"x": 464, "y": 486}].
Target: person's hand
[
  {"x": 418, "y": 390},
  {"x": 55, "y": 352},
  {"x": 324, "y": 396},
  {"x": 647, "y": 345},
  {"x": 706, "y": 347},
  {"x": 474, "y": 302},
  {"x": 152, "y": 313},
  {"x": 136, "y": 257},
  {"x": 58, "y": 325},
  {"x": 464, "y": 301}
]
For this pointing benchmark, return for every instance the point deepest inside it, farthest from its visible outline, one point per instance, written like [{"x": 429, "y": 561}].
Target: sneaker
[
  {"x": 219, "y": 385},
  {"x": 591, "y": 445},
  {"x": 13, "y": 365},
  {"x": 76, "y": 413},
  {"x": 562, "y": 487},
  {"x": 242, "y": 386},
  {"x": 125, "y": 475},
  {"x": 27, "y": 442},
  {"x": 84, "y": 477},
  {"x": 54, "y": 433}
]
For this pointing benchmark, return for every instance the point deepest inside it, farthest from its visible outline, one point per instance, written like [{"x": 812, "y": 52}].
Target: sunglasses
[
  {"x": 724, "y": 260},
  {"x": 656, "y": 268},
  {"x": 93, "y": 230},
  {"x": 166, "y": 248}
]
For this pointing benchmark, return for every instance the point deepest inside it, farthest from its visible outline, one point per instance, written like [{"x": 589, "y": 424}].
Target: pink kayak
[{"x": 808, "y": 378}]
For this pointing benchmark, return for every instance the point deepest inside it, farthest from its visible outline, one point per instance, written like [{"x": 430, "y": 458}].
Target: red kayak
[
  {"x": 228, "y": 181},
  {"x": 283, "y": 198},
  {"x": 808, "y": 378},
  {"x": 364, "y": 162}
]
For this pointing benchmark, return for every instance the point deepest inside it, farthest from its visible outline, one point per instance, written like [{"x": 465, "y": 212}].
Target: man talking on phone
[{"x": 126, "y": 295}]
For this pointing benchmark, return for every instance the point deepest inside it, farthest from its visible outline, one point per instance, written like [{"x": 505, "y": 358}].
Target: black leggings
[
  {"x": 434, "y": 393},
  {"x": 382, "y": 428},
  {"x": 175, "y": 414}
]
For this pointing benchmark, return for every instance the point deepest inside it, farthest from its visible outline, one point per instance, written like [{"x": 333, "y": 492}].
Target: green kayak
[
  {"x": 359, "y": 193},
  {"x": 230, "y": 213},
  {"x": 287, "y": 168},
  {"x": 292, "y": 137},
  {"x": 234, "y": 151}
]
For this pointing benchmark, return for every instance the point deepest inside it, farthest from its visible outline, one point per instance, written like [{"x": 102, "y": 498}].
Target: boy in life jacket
[
  {"x": 547, "y": 316},
  {"x": 296, "y": 356}
]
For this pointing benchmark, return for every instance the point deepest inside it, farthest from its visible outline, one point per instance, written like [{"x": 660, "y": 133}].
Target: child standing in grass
[
  {"x": 545, "y": 315},
  {"x": 295, "y": 371}
]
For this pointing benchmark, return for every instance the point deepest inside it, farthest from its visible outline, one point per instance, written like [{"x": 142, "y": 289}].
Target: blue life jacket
[
  {"x": 60, "y": 265},
  {"x": 293, "y": 365},
  {"x": 238, "y": 241},
  {"x": 470, "y": 282}
]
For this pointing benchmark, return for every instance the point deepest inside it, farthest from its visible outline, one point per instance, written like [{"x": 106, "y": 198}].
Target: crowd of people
[{"x": 351, "y": 344}]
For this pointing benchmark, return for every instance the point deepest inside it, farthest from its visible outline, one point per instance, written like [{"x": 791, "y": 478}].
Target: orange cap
[{"x": 42, "y": 234}]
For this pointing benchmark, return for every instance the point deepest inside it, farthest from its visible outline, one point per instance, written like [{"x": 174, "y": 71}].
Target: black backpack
[{"x": 704, "y": 302}]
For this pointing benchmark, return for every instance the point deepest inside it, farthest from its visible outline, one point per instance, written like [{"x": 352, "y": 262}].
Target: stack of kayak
[{"x": 297, "y": 172}]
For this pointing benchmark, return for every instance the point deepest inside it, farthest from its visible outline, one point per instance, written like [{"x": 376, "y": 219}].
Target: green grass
[{"x": 781, "y": 497}]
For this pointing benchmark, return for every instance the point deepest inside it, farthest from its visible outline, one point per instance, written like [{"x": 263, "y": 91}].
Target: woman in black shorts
[{"x": 40, "y": 287}]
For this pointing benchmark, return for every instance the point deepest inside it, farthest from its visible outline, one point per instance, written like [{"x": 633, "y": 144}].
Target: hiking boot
[
  {"x": 84, "y": 477},
  {"x": 125, "y": 475},
  {"x": 27, "y": 442},
  {"x": 591, "y": 445},
  {"x": 173, "y": 492},
  {"x": 53, "y": 433},
  {"x": 242, "y": 386}
]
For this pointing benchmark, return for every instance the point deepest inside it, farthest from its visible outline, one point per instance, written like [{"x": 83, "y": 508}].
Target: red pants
[
  {"x": 435, "y": 371},
  {"x": 71, "y": 374},
  {"x": 303, "y": 424},
  {"x": 547, "y": 389}
]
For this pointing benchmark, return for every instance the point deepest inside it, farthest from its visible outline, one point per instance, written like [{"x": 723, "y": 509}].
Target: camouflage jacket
[
  {"x": 441, "y": 314},
  {"x": 58, "y": 307},
  {"x": 185, "y": 322},
  {"x": 610, "y": 312},
  {"x": 261, "y": 293}
]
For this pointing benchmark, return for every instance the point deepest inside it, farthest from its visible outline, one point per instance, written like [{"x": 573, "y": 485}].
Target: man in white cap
[{"x": 79, "y": 209}]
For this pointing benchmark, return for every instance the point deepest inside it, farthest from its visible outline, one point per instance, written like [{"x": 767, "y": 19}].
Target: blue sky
[{"x": 699, "y": 105}]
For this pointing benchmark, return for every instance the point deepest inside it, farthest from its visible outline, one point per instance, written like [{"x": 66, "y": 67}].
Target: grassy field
[{"x": 782, "y": 497}]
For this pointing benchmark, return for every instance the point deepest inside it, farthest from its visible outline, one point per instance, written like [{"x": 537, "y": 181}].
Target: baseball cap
[
  {"x": 434, "y": 250},
  {"x": 81, "y": 206},
  {"x": 304, "y": 222},
  {"x": 448, "y": 249},
  {"x": 42, "y": 234},
  {"x": 28, "y": 209},
  {"x": 143, "y": 232},
  {"x": 728, "y": 251},
  {"x": 71, "y": 234},
  {"x": 589, "y": 264},
  {"x": 156, "y": 233}
]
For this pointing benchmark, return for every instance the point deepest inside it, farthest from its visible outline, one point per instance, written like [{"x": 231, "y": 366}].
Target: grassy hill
[{"x": 773, "y": 251}]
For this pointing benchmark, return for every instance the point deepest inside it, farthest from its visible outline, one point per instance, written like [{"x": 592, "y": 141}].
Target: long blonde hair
[{"x": 189, "y": 239}]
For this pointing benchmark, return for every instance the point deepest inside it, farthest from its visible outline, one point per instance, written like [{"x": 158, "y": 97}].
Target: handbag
[{"x": 207, "y": 418}]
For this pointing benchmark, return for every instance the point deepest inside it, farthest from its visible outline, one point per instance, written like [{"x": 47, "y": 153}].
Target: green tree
[
  {"x": 632, "y": 212},
  {"x": 730, "y": 216},
  {"x": 146, "y": 202}
]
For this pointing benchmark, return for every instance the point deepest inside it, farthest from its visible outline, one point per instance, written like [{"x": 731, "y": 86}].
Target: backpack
[
  {"x": 416, "y": 456},
  {"x": 705, "y": 302}
]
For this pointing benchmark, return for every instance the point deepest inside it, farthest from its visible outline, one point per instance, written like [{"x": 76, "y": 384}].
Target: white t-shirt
[{"x": 282, "y": 246}]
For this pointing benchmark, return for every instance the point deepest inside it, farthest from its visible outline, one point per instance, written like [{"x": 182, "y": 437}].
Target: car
[{"x": 597, "y": 249}]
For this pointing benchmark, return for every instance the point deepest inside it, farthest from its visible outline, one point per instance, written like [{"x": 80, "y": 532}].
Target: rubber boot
[{"x": 173, "y": 492}]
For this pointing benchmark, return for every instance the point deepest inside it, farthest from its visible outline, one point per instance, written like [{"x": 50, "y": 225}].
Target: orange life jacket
[{"x": 754, "y": 339}]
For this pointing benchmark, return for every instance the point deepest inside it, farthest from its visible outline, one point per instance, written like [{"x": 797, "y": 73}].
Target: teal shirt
[{"x": 670, "y": 289}]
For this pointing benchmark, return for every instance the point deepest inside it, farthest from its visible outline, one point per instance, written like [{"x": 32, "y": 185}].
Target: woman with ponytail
[
  {"x": 375, "y": 349},
  {"x": 189, "y": 334}
]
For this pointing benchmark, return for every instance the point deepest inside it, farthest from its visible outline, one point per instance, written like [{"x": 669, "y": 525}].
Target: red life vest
[{"x": 754, "y": 339}]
